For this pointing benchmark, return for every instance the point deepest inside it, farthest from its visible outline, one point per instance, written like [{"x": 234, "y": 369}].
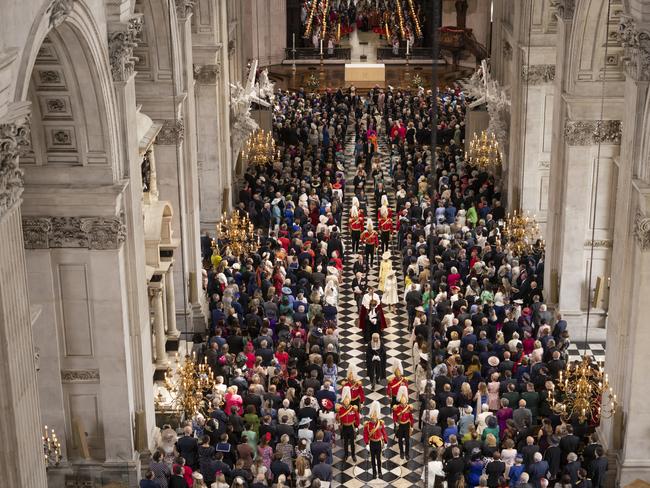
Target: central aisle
[{"x": 396, "y": 472}]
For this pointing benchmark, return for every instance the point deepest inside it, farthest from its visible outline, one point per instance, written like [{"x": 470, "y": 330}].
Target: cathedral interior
[{"x": 502, "y": 149}]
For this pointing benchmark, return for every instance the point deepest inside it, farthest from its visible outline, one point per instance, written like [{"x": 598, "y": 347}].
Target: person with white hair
[
  {"x": 375, "y": 437},
  {"x": 403, "y": 419},
  {"x": 397, "y": 381}
]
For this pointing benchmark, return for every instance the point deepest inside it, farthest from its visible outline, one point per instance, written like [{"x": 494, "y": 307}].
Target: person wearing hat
[
  {"x": 356, "y": 223},
  {"x": 376, "y": 360},
  {"x": 370, "y": 240},
  {"x": 403, "y": 418},
  {"x": 347, "y": 416},
  {"x": 385, "y": 224},
  {"x": 357, "y": 396},
  {"x": 385, "y": 267},
  {"x": 375, "y": 437},
  {"x": 396, "y": 382}
]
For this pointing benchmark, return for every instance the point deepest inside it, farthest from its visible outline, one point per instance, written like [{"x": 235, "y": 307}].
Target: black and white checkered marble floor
[
  {"x": 595, "y": 349},
  {"x": 396, "y": 472}
]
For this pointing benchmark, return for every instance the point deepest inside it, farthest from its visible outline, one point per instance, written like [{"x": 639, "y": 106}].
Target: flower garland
[
  {"x": 401, "y": 18},
  {"x": 418, "y": 30},
  {"x": 310, "y": 21}
]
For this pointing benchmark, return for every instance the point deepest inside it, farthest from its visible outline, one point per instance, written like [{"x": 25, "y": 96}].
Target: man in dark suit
[
  {"x": 569, "y": 443},
  {"x": 454, "y": 468},
  {"x": 553, "y": 456},
  {"x": 528, "y": 451},
  {"x": 188, "y": 448},
  {"x": 177, "y": 480},
  {"x": 448, "y": 412},
  {"x": 572, "y": 467},
  {"x": 598, "y": 468},
  {"x": 494, "y": 470},
  {"x": 537, "y": 470},
  {"x": 319, "y": 447}
]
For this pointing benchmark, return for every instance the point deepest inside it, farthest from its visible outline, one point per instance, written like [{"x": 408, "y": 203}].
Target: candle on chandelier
[
  {"x": 408, "y": 46},
  {"x": 321, "y": 46}
]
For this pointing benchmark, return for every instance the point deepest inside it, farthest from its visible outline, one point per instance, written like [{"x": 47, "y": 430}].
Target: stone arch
[
  {"x": 154, "y": 50},
  {"x": 65, "y": 73},
  {"x": 589, "y": 36}
]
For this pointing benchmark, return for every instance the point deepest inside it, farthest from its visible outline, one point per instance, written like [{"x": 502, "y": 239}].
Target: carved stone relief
[
  {"x": 99, "y": 233},
  {"x": 538, "y": 74},
  {"x": 59, "y": 11},
  {"x": 171, "y": 132},
  {"x": 14, "y": 137},
  {"x": 80, "y": 376},
  {"x": 637, "y": 48},
  {"x": 590, "y": 132},
  {"x": 642, "y": 230},
  {"x": 120, "y": 48}
]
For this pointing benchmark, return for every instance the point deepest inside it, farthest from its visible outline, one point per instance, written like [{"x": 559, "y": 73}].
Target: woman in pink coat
[
  {"x": 233, "y": 400},
  {"x": 493, "y": 392}
]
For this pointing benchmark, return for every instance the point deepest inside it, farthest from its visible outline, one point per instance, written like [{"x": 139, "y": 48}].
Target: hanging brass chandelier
[
  {"x": 237, "y": 234},
  {"x": 583, "y": 392},
  {"x": 51, "y": 448},
  {"x": 259, "y": 149},
  {"x": 521, "y": 232},
  {"x": 189, "y": 388},
  {"x": 484, "y": 152}
]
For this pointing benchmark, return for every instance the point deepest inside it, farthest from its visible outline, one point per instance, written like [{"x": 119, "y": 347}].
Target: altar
[{"x": 365, "y": 75}]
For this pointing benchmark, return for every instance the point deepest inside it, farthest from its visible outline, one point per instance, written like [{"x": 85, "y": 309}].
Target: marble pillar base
[
  {"x": 92, "y": 474},
  {"x": 631, "y": 471}
]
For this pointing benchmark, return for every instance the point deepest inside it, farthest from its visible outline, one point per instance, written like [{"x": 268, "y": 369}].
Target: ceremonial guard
[
  {"x": 347, "y": 416},
  {"x": 356, "y": 223},
  {"x": 375, "y": 437},
  {"x": 385, "y": 220},
  {"x": 357, "y": 396},
  {"x": 396, "y": 382},
  {"x": 370, "y": 240},
  {"x": 403, "y": 420}
]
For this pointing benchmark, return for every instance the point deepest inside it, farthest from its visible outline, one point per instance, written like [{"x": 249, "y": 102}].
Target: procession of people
[{"x": 485, "y": 351}]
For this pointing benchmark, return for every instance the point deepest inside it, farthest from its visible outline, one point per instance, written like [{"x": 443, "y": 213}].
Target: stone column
[
  {"x": 21, "y": 454},
  {"x": 158, "y": 325},
  {"x": 122, "y": 39},
  {"x": 170, "y": 304},
  {"x": 628, "y": 339}
]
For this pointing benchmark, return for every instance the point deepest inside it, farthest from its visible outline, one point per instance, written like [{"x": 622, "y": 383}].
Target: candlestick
[
  {"x": 321, "y": 46},
  {"x": 408, "y": 45},
  {"x": 294, "y": 41}
]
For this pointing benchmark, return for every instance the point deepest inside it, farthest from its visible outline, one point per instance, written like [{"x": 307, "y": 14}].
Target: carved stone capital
[
  {"x": 642, "y": 230},
  {"x": 155, "y": 292},
  {"x": 172, "y": 132},
  {"x": 206, "y": 74},
  {"x": 100, "y": 233},
  {"x": 59, "y": 11},
  {"x": 564, "y": 9},
  {"x": 120, "y": 48},
  {"x": 602, "y": 243},
  {"x": 80, "y": 376},
  {"x": 14, "y": 137},
  {"x": 637, "y": 48},
  {"x": 538, "y": 74},
  {"x": 184, "y": 8},
  {"x": 590, "y": 132}
]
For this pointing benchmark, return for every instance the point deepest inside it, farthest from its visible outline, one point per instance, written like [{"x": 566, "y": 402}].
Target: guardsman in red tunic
[
  {"x": 357, "y": 395},
  {"x": 374, "y": 437},
  {"x": 396, "y": 381},
  {"x": 356, "y": 222},
  {"x": 347, "y": 416},
  {"x": 385, "y": 220},
  {"x": 403, "y": 419},
  {"x": 370, "y": 239}
]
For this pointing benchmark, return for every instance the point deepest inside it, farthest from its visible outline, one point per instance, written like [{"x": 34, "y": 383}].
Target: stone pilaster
[{"x": 21, "y": 427}]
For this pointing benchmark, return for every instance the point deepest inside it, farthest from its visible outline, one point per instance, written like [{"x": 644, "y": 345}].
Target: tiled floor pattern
[{"x": 396, "y": 472}]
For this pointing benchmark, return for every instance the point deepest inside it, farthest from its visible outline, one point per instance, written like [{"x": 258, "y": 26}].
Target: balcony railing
[{"x": 308, "y": 53}]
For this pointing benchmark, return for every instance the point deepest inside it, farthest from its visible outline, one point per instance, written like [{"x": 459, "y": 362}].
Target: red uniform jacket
[
  {"x": 402, "y": 414},
  {"x": 356, "y": 390},
  {"x": 386, "y": 225},
  {"x": 370, "y": 238},
  {"x": 357, "y": 223},
  {"x": 393, "y": 385},
  {"x": 374, "y": 431},
  {"x": 347, "y": 415}
]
